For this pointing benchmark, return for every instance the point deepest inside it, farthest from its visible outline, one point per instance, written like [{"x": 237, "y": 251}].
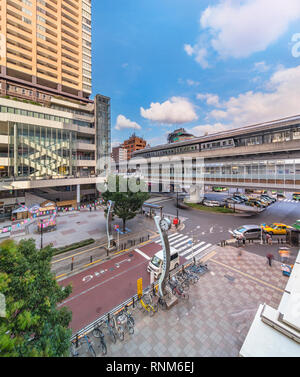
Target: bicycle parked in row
[
  {"x": 147, "y": 304},
  {"x": 177, "y": 289},
  {"x": 123, "y": 324},
  {"x": 97, "y": 332},
  {"x": 199, "y": 269}
]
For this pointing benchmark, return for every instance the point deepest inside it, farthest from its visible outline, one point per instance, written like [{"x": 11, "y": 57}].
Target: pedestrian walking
[
  {"x": 269, "y": 258},
  {"x": 90, "y": 208},
  {"x": 269, "y": 239}
]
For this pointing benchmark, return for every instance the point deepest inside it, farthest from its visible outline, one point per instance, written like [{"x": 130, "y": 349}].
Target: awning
[
  {"x": 20, "y": 210},
  {"x": 65, "y": 203}
]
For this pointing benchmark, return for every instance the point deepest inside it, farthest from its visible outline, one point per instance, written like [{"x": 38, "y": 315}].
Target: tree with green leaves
[
  {"x": 127, "y": 194},
  {"x": 33, "y": 326}
]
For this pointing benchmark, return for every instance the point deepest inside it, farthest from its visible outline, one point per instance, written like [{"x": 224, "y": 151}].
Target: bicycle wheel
[
  {"x": 131, "y": 320},
  {"x": 92, "y": 351},
  {"x": 162, "y": 304},
  {"x": 103, "y": 348},
  {"x": 185, "y": 286},
  {"x": 121, "y": 333},
  {"x": 96, "y": 332},
  {"x": 73, "y": 351},
  {"x": 113, "y": 336},
  {"x": 130, "y": 328},
  {"x": 155, "y": 308},
  {"x": 151, "y": 311},
  {"x": 185, "y": 296}
]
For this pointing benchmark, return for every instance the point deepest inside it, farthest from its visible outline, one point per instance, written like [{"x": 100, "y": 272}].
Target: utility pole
[{"x": 41, "y": 233}]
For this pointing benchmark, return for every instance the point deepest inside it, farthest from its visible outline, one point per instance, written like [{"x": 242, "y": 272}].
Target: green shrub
[{"x": 73, "y": 246}]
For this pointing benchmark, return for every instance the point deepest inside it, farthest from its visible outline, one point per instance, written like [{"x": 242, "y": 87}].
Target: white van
[{"x": 156, "y": 263}]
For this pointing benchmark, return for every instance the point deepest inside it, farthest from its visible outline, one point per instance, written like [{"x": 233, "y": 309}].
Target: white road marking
[
  {"x": 192, "y": 249},
  {"x": 142, "y": 254},
  {"x": 198, "y": 251}
]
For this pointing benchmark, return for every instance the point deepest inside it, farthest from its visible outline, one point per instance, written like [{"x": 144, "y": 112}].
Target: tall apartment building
[
  {"x": 50, "y": 129},
  {"x": 119, "y": 155},
  {"x": 134, "y": 143}
]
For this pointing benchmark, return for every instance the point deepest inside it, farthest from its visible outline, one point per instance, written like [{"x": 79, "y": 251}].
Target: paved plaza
[
  {"x": 216, "y": 318},
  {"x": 73, "y": 227}
]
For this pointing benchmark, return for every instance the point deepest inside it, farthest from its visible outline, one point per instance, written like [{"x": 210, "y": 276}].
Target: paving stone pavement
[{"x": 215, "y": 320}]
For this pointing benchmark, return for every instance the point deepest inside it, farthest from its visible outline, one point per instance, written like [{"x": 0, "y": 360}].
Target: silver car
[{"x": 249, "y": 232}]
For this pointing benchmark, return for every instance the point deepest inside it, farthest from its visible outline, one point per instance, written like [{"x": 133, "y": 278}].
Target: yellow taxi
[{"x": 275, "y": 228}]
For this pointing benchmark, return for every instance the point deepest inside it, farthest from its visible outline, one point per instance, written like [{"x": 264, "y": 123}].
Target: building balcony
[
  {"x": 24, "y": 183},
  {"x": 82, "y": 146},
  {"x": 85, "y": 163}
]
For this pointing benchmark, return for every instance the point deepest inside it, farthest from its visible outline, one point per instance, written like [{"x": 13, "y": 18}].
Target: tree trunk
[{"x": 124, "y": 222}]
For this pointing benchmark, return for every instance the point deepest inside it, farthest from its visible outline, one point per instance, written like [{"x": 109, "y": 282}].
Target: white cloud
[
  {"x": 188, "y": 49},
  {"x": 280, "y": 99},
  {"x": 261, "y": 67},
  {"x": 199, "y": 52},
  {"x": 240, "y": 28},
  {"x": 192, "y": 82},
  {"x": 211, "y": 99},
  {"x": 208, "y": 129},
  {"x": 176, "y": 110},
  {"x": 236, "y": 28},
  {"x": 123, "y": 123}
]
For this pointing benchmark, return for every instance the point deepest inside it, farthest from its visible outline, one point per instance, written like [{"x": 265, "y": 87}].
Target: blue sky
[{"x": 203, "y": 65}]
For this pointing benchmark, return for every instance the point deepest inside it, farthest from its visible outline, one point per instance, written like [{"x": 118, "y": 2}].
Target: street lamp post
[
  {"x": 177, "y": 206},
  {"x": 41, "y": 233}
]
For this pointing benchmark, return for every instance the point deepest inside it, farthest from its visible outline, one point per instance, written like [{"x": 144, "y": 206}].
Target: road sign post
[{"x": 140, "y": 287}]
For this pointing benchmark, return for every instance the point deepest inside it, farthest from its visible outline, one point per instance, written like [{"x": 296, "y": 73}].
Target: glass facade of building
[{"x": 37, "y": 151}]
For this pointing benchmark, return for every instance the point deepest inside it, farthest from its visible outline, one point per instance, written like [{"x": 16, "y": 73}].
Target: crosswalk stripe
[
  {"x": 182, "y": 243},
  {"x": 198, "y": 251},
  {"x": 191, "y": 249},
  {"x": 170, "y": 237},
  {"x": 175, "y": 238},
  {"x": 172, "y": 241},
  {"x": 142, "y": 254},
  {"x": 178, "y": 240},
  {"x": 183, "y": 247},
  {"x": 173, "y": 235}
]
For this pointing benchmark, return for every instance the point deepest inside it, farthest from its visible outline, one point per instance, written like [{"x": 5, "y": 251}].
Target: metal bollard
[
  {"x": 76, "y": 341},
  {"x": 72, "y": 263},
  {"x": 133, "y": 302},
  {"x": 91, "y": 259}
]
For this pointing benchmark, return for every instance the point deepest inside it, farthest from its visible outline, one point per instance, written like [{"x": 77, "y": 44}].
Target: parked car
[
  {"x": 275, "y": 228},
  {"x": 296, "y": 225},
  {"x": 241, "y": 197},
  {"x": 264, "y": 201},
  {"x": 211, "y": 203},
  {"x": 296, "y": 196},
  {"x": 258, "y": 203},
  {"x": 233, "y": 200},
  {"x": 250, "y": 232},
  {"x": 268, "y": 197}
]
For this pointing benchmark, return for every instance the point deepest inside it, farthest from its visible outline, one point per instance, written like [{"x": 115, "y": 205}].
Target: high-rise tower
[
  {"x": 47, "y": 44},
  {"x": 49, "y": 127}
]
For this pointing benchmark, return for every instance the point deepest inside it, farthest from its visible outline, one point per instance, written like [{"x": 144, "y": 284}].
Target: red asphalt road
[{"x": 99, "y": 289}]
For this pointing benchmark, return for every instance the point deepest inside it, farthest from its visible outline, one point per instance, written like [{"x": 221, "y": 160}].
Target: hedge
[{"x": 73, "y": 246}]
